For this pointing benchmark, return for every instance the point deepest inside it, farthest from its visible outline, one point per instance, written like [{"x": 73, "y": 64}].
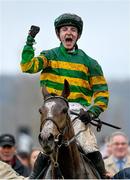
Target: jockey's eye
[{"x": 65, "y": 110}]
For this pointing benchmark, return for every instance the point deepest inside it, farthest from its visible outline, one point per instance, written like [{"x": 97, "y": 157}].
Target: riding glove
[
  {"x": 86, "y": 116},
  {"x": 33, "y": 31}
]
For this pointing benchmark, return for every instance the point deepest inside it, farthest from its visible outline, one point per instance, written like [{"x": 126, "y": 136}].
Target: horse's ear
[
  {"x": 45, "y": 93},
  {"x": 66, "y": 90}
]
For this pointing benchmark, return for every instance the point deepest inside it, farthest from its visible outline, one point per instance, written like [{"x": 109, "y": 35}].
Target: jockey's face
[{"x": 68, "y": 35}]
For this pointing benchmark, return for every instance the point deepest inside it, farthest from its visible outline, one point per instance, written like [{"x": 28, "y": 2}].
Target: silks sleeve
[
  {"x": 100, "y": 89},
  {"x": 29, "y": 63}
]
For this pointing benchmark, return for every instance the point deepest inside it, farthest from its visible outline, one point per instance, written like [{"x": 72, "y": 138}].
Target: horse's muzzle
[{"x": 47, "y": 143}]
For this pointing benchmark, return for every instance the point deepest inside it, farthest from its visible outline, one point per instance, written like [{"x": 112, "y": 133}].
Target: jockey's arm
[
  {"x": 29, "y": 63},
  {"x": 100, "y": 89}
]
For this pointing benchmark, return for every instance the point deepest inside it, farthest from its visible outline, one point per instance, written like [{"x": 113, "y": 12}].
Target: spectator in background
[
  {"x": 25, "y": 159},
  {"x": 24, "y": 141},
  {"x": 119, "y": 158},
  {"x": 33, "y": 156},
  {"x": 8, "y": 154},
  {"x": 106, "y": 149}
]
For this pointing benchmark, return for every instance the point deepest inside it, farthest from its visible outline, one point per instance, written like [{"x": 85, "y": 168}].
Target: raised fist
[{"x": 34, "y": 30}]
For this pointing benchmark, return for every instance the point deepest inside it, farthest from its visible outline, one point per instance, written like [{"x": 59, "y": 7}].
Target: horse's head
[{"x": 54, "y": 116}]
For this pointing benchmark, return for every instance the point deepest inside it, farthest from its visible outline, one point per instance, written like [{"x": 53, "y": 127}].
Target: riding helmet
[{"x": 68, "y": 19}]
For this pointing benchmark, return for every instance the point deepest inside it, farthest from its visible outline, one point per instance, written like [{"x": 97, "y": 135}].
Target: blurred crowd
[
  {"x": 21, "y": 156},
  {"x": 116, "y": 154}
]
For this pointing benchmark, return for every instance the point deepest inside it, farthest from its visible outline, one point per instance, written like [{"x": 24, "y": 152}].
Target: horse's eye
[
  {"x": 65, "y": 110},
  {"x": 40, "y": 111}
]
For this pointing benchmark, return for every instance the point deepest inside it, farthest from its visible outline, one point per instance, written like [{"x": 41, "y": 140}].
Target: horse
[{"x": 57, "y": 139}]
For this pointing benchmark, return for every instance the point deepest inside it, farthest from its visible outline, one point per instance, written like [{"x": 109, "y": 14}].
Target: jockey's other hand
[
  {"x": 33, "y": 31},
  {"x": 86, "y": 116}
]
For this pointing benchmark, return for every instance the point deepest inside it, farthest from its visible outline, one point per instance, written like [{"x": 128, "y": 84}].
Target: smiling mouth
[{"x": 68, "y": 40}]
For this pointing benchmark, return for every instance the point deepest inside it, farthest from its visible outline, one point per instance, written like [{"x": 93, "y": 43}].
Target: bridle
[{"x": 59, "y": 138}]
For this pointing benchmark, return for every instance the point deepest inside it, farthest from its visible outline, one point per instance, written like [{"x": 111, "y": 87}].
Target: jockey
[{"x": 84, "y": 74}]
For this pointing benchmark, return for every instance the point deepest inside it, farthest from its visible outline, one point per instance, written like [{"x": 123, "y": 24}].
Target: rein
[
  {"x": 59, "y": 138},
  {"x": 98, "y": 123}
]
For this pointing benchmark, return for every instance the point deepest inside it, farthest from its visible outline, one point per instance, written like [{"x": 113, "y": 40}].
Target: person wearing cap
[
  {"x": 84, "y": 74},
  {"x": 8, "y": 154}
]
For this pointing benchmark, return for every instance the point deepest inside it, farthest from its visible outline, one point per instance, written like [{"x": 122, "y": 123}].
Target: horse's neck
[{"x": 69, "y": 156}]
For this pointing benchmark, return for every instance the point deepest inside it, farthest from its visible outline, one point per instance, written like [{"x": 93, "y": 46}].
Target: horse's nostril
[{"x": 51, "y": 137}]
